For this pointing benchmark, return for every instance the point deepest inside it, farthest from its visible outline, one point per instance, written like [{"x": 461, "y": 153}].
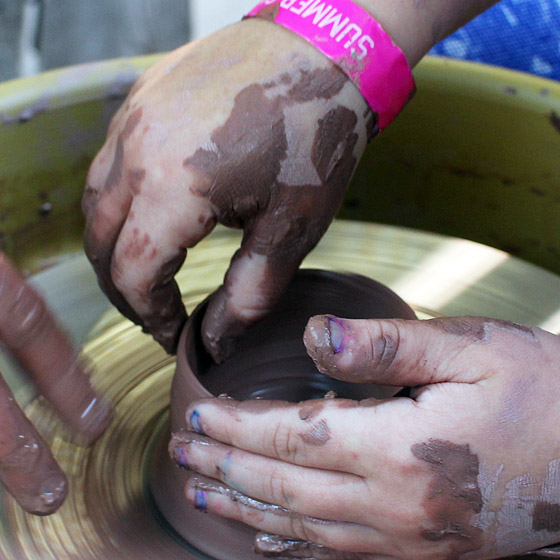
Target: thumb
[{"x": 397, "y": 352}]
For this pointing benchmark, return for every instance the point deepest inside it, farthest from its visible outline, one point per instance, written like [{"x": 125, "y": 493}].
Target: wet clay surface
[
  {"x": 270, "y": 362},
  {"x": 453, "y": 496},
  {"x": 274, "y": 546}
]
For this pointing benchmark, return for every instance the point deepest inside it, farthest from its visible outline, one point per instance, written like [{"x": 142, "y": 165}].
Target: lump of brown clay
[{"x": 270, "y": 362}]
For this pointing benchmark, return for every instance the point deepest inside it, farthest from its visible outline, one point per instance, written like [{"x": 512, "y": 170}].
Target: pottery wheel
[{"x": 109, "y": 512}]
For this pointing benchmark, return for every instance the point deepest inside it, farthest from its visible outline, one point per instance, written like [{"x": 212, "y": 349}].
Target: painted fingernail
[
  {"x": 201, "y": 500},
  {"x": 194, "y": 421},
  {"x": 180, "y": 456},
  {"x": 336, "y": 332}
]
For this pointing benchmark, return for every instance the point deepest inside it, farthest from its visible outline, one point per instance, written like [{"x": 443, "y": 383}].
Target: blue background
[{"x": 519, "y": 34}]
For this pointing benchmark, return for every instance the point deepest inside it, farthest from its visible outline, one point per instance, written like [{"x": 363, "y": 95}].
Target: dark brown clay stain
[
  {"x": 240, "y": 178},
  {"x": 554, "y": 119},
  {"x": 250, "y": 147},
  {"x": 132, "y": 122},
  {"x": 546, "y": 517},
  {"x": 167, "y": 319},
  {"x": 321, "y": 83},
  {"x": 334, "y": 144},
  {"x": 138, "y": 245},
  {"x": 116, "y": 171},
  {"x": 135, "y": 178},
  {"x": 312, "y": 408},
  {"x": 319, "y": 435},
  {"x": 453, "y": 496}
]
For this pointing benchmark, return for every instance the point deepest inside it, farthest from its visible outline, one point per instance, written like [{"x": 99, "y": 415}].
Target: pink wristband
[{"x": 351, "y": 38}]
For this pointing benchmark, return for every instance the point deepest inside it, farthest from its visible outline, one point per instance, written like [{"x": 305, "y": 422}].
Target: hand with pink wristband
[
  {"x": 252, "y": 127},
  {"x": 260, "y": 126}
]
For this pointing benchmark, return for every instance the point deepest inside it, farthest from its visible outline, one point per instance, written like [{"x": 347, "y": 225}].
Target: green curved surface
[{"x": 476, "y": 155}]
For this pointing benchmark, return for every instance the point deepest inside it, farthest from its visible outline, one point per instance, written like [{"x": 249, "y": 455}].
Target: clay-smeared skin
[
  {"x": 239, "y": 176},
  {"x": 546, "y": 517},
  {"x": 479, "y": 329},
  {"x": 467, "y": 468},
  {"x": 27, "y": 468},
  {"x": 454, "y": 495},
  {"x": 273, "y": 157},
  {"x": 275, "y": 546},
  {"x": 319, "y": 434}
]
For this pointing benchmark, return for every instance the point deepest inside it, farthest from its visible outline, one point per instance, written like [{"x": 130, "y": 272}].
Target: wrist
[
  {"x": 356, "y": 42},
  {"x": 404, "y": 23},
  {"x": 417, "y": 26}
]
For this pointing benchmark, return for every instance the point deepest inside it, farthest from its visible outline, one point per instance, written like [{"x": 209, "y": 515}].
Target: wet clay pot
[{"x": 270, "y": 362}]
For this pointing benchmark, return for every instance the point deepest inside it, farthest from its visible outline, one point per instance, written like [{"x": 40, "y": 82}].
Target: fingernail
[
  {"x": 194, "y": 422},
  {"x": 336, "y": 334},
  {"x": 47, "y": 498},
  {"x": 201, "y": 500},
  {"x": 180, "y": 456},
  {"x": 54, "y": 491},
  {"x": 95, "y": 419}
]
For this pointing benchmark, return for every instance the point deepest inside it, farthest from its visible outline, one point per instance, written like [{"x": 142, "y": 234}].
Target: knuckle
[
  {"x": 286, "y": 444},
  {"x": 383, "y": 348},
  {"x": 305, "y": 529},
  {"x": 278, "y": 489}
]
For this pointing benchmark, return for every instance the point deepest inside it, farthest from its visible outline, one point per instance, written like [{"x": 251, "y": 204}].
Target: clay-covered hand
[
  {"x": 470, "y": 465},
  {"x": 29, "y": 331},
  {"x": 250, "y": 127}
]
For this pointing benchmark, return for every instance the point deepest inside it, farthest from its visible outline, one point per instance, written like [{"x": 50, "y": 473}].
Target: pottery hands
[
  {"x": 469, "y": 466},
  {"x": 250, "y": 127},
  {"x": 27, "y": 468}
]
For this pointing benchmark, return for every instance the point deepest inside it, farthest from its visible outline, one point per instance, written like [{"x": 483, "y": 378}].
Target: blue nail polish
[
  {"x": 200, "y": 500},
  {"x": 195, "y": 422},
  {"x": 180, "y": 456},
  {"x": 336, "y": 329}
]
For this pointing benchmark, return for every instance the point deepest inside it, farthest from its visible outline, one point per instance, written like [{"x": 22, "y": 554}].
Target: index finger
[{"x": 325, "y": 434}]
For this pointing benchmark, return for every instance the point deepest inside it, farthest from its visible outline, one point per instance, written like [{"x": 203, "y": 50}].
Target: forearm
[{"x": 417, "y": 25}]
